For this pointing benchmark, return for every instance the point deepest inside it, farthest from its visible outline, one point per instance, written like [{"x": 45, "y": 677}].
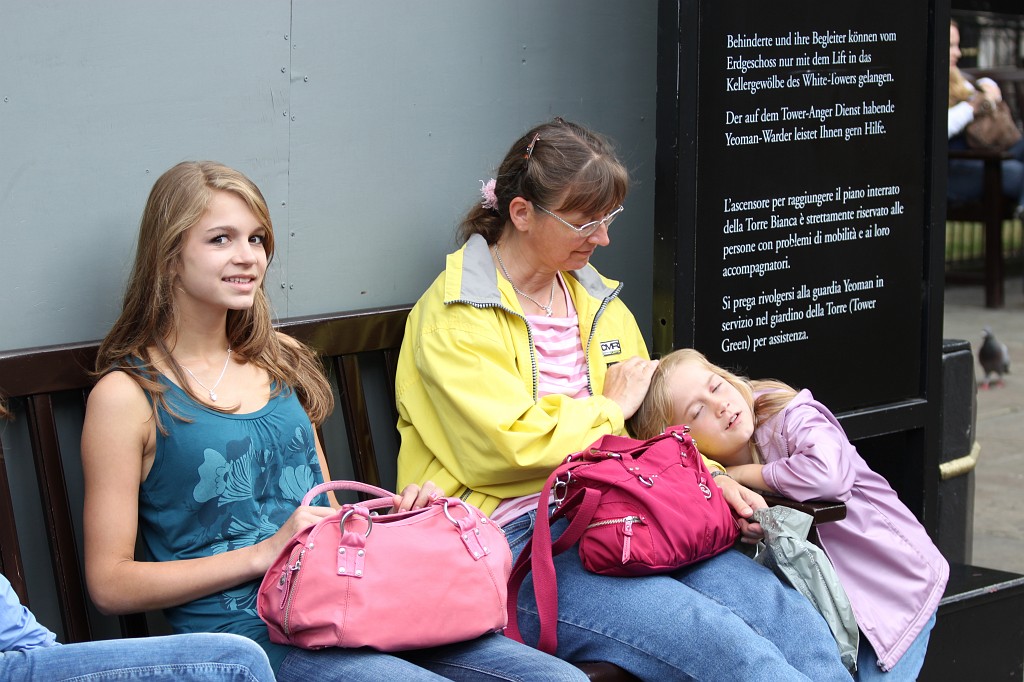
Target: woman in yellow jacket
[{"x": 520, "y": 353}]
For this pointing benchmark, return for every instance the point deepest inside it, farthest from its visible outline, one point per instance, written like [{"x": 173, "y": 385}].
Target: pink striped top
[
  {"x": 561, "y": 364},
  {"x": 561, "y": 369}
]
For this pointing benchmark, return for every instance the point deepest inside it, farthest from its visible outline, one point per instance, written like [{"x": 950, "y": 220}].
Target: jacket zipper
[
  {"x": 533, "y": 352},
  {"x": 593, "y": 330},
  {"x": 529, "y": 333}
]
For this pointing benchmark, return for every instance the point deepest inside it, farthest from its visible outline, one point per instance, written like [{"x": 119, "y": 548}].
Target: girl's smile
[{"x": 223, "y": 260}]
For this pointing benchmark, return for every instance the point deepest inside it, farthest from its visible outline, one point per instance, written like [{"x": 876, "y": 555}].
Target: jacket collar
[{"x": 472, "y": 278}]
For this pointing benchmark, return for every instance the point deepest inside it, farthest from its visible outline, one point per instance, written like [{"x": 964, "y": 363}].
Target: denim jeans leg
[
  {"x": 351, "y": 665},
  {"x": 721, "y": 619},
  {"x": 494, "y": 657},
  {"x": 491, "y": 657},
  {"x": 965, "y": 180},
  {"x": 193, "y": 657},
  {"x": 1013, "y": 181},
  {"x": 905, "y": 670},
  {"x": 772, "y": 610}
]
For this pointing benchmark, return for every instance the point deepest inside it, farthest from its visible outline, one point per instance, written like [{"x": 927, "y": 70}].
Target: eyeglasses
[{"x": 586, "y": 229}]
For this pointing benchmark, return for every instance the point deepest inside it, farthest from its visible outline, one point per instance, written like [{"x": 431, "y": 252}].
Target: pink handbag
[
  {"x": 351, "y": 579},
  {"x": 636, "y": 508}
]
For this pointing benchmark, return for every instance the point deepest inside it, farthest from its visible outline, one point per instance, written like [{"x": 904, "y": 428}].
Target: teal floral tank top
[{"x": 221, "y": 482}]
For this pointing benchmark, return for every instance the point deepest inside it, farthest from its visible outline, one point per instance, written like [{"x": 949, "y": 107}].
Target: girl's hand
[
  {"x": 301, "y": 518},
  {"x": 743, "y": 501},
  {"x": 414, "y": 497}
]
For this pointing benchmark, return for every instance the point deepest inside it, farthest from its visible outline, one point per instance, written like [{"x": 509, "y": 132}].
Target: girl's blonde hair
[
  {"x": 148, "y": 320},
  {"x": 657, "y": 412}
]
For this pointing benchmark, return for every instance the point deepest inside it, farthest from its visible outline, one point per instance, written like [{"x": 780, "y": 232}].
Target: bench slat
[
  {"x": 357, "y": 420},
  {"x": 57, "y": 517},
  {"x": 10, "y": 555}
]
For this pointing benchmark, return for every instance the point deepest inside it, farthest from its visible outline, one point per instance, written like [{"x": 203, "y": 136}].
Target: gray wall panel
[
  {"x": 401, "y": 108},
  {"x": 368, "y": 125},
  {"x": 98, "y": 99}
]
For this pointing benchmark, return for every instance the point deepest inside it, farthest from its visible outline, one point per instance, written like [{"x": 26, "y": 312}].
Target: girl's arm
[
  {"x": 818, "y": 466},
  {"x": 749, "y": 475},
  {"x": 960, "y": 115},
  {"x": 118, "y": 445}
]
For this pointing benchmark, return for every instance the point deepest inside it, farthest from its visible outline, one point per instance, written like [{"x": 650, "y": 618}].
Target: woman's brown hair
[{"x": 560, "y": 165}]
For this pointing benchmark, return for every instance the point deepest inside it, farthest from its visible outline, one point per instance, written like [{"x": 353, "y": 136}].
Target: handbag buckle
[
  {"x": 350, "y": 512},
  {"x": 455, "y": 522},
  {"x": 559, "y": 491},
  {"x": 678, "y": 433}
]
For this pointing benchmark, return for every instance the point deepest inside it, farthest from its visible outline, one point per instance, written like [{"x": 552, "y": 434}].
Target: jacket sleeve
[
  {"x": 19, "y": 630},
  {"x": 817, "y": 467},
  {"x": 494, "y": 433}
]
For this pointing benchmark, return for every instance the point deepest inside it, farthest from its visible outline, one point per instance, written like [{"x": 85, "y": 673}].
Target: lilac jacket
[{"x": 889, "y": 567}]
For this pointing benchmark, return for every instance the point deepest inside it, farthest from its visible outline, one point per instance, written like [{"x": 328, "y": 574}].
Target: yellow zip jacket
[{"x": 469, "y": 415}]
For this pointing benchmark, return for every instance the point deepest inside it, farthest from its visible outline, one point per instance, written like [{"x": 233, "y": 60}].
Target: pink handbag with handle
[
  {"x": 353, "y": 579},
  {"x": 636, "y": 507}
]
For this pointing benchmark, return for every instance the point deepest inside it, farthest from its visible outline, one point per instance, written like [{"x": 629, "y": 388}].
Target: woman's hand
[
  {"x": 990, "y": 89},
  {"x": 414, "y": 497},
  {"x": 301, "y": 518},
  {"x": 627, "y": 382},
  {"x": 743, "y": 501}
]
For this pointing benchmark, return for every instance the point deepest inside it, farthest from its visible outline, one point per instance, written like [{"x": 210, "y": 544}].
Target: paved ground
[{"x": 999, "y": 477}]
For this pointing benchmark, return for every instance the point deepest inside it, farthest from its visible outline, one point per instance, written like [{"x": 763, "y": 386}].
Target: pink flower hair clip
[{"x": 490, "y": 199}]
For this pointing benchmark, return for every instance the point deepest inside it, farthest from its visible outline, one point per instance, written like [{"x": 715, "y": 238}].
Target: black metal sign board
[{"x": 810, "y": 195}]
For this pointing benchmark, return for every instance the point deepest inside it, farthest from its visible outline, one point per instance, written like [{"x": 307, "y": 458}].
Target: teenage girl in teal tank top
[{"x": 198, "y": 437}]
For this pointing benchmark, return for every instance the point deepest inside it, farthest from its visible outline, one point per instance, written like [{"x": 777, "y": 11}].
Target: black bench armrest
[
  {"x": 821, "y": 512},
  {"x": 980, "y": 154}
]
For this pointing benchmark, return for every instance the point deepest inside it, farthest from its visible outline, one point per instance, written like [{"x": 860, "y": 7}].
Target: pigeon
[{"x": 993, "y": 357}]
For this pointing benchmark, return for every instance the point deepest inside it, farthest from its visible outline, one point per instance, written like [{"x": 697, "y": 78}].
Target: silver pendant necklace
[
  {"x": 551, "y": 299},
  {"x": 210, "y": 389}
]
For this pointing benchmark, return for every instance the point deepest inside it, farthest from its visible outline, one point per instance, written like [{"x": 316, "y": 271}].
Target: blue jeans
[
  {"x": 195, "y": 657},
  {"x": 491, "y": 657},
  {"x": 723, "y": 618},
  {"x": 905, "y": 670},
  {"x": 966, "y": 178}
]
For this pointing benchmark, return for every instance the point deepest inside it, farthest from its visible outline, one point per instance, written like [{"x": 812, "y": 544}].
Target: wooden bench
[{"x": 48, "y": 387}]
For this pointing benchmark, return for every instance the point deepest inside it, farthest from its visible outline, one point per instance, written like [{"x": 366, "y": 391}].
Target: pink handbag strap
[
  {"x": 539, "y": 552},
  {"x": 384, "y": 496},
  {"x": 538, "y": 556}
]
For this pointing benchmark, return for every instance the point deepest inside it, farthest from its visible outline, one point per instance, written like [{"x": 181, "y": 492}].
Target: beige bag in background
[{"x": 993, "y": 128}]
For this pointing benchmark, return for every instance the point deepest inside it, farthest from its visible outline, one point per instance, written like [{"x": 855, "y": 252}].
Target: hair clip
[
  {"x": 529, "y": 147},
  {"x": 490, "y": 199}
]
